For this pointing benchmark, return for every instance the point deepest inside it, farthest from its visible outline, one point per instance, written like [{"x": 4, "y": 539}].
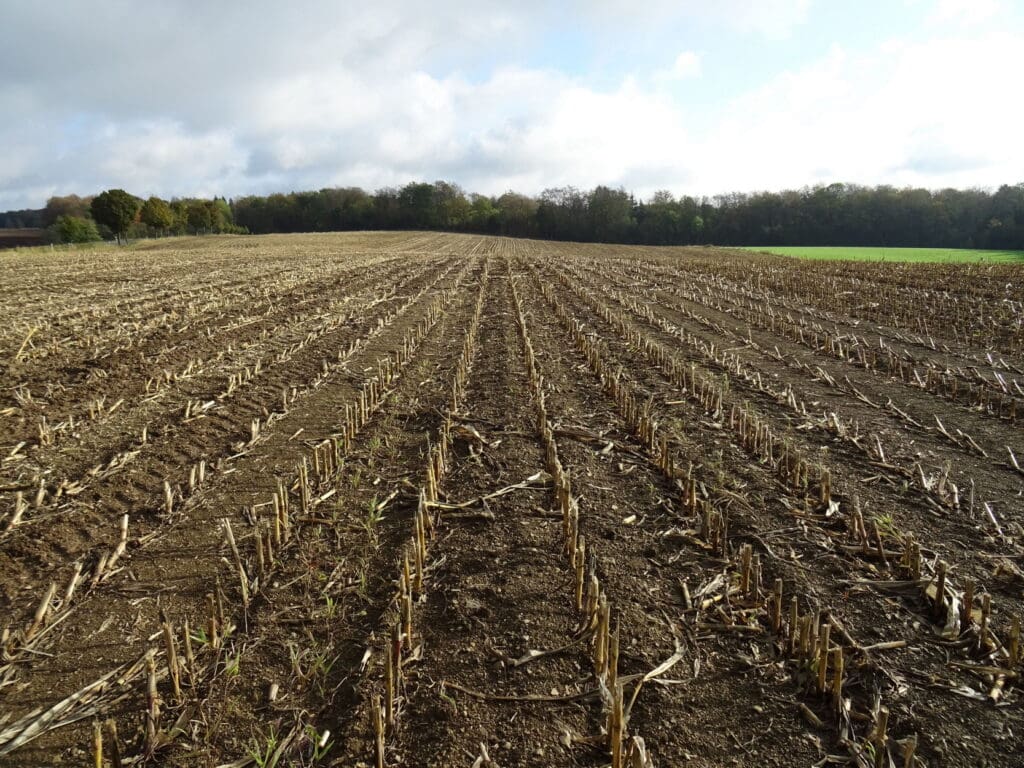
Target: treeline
[
  {"x": 837, "y": 214},
  {"x": 120, "y": 215},
  {"x": 27, "y": 218}
]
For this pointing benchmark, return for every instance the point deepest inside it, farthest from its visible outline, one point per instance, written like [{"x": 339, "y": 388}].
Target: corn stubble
[{"x": 626, "y": 334}]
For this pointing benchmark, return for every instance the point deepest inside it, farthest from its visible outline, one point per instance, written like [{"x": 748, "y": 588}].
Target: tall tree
[
  {"x": 199, "y": 219},
  {"x": 611, "y": 215},
  {"x": 156, "y": 213},
  {"x": 453, "y": 209},
  {"x": 517, "y": 214},
  {"x": 418, "y": 204},
  {"x": 116, "y": 210},
  {"x": 483, "y": 216},
  {"x": 67, "y": 205},
  {"x": 180, "y": 210}
]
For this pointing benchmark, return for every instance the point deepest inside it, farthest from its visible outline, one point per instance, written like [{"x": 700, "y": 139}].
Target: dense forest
[{"x": 837, "y": 214}]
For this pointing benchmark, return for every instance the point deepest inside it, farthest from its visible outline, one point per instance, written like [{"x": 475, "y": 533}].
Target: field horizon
[{"x": 812, "y": 253}]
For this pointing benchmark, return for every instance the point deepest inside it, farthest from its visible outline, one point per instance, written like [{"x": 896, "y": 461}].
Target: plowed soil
[{"x": 789, "y": 491}]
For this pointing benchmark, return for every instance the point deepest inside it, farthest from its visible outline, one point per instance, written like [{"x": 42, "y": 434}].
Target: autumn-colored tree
[
  {"x": 66, "y": 205},
  {"x": 156, "y": 213}
]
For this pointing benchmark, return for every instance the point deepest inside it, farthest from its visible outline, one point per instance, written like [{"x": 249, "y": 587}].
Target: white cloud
[
  {"x": 520, "y": 128},
  {"x": 155, "y": 156},
  {"x": 586, "y": 137},
  {"x": 381, "y": 95},
  {"x": 968, "y": 12},
  {"x": 929, "y": 113},
  {"x": 686, "y": 65},
  {"x": 776, "y": 19}
]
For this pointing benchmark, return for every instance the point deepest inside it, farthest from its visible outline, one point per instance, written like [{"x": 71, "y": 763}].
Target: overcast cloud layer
[{"x": 185, "y": 98}]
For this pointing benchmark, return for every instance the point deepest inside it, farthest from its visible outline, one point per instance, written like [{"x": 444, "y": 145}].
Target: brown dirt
[{"x": 319, "y": 313}]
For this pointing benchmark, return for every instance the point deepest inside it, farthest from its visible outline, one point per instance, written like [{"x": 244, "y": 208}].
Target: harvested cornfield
[{"x": 441, "y": 500}]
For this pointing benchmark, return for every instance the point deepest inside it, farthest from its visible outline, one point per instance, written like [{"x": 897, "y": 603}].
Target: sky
[{"x": 198, "y": 98}]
